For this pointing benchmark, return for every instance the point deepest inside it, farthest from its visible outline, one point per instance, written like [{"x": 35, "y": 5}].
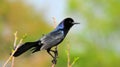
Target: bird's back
[{"x": 52, "y": 39}]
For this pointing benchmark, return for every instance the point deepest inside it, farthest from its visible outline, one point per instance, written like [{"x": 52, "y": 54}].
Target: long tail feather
[{"x": 26, "y": 46}]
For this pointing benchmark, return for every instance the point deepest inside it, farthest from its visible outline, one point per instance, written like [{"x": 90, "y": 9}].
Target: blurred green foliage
[
  {"x": 16, "y": 16},
  {"x": 100, "y": 38},
  {"x": 97, "y": 45}
]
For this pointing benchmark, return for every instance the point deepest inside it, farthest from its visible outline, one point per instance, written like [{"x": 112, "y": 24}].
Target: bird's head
[{"x": 68, "y": 23}]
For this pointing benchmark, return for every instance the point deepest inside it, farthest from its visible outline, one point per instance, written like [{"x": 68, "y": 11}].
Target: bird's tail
[{"x": 26, "y": 46}]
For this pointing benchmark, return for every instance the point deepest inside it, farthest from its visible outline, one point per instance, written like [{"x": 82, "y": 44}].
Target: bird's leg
[
  {"x": 56, "y": 55},
  {"x": 55, "y": 52},
  {"x": 54, "y": 61},
  {"x": 54, "y": 58},
  {"x": 48, "y": 50}
]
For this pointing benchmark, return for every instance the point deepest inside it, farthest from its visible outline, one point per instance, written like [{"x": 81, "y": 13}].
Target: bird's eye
[{"x": 70, "y": 22}]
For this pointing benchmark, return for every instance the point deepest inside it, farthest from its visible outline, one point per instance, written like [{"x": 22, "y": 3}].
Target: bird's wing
[{"x": 52, "y": 39}]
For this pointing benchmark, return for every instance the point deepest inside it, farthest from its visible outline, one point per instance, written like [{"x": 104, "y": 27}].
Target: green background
[{"x": 96, "y": 42}]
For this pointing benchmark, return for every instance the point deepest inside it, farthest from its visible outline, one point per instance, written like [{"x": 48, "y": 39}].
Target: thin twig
[
  {"x": 7, "y": 61},
  {"x": 54, "y": 20},
  {"x": 11, "y": 56},
  {"x": 74, "y": 61},
  {"x": 15, "y": 34},
  {"x": 53, "y": 65},
  {"x": 68, "y": 55},
  {"x": 12, "y": 65}
]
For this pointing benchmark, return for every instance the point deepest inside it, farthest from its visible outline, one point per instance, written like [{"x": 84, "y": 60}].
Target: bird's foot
[{"x": 54, "y": 61}]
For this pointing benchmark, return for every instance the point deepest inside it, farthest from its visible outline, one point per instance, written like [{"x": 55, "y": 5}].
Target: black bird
[{"x": 48, "y": 41}]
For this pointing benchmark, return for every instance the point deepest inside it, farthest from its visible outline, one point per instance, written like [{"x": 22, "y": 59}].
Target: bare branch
[
  {"x": 68, "y": 55},
  {"x": 15, "y": 49},
  {"x": 15, "y": 34},
  {"x": 54, "y": 20}
]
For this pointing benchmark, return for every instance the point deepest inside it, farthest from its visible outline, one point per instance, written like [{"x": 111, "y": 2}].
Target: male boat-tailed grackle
[{"x": 48, "y": 41}]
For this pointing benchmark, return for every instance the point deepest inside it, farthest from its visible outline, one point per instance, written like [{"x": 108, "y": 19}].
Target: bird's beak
[{"x": 76, "y": 23}]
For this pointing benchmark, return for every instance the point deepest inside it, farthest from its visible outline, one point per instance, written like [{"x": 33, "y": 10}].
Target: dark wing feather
[{"x": 52, "y": 39}]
